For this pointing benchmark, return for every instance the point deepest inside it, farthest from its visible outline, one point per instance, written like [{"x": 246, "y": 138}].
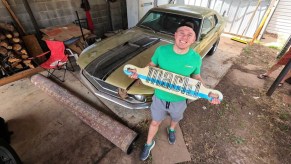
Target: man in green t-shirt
[{"x": 180, "y": 59}]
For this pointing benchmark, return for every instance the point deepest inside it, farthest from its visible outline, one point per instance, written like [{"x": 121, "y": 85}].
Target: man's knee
[{"x": 155, "y": 123}]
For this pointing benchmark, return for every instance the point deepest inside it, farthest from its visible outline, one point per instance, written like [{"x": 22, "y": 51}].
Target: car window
[
  {"x": 208, "y": 24},
  {"x": 167, "y": 23}
]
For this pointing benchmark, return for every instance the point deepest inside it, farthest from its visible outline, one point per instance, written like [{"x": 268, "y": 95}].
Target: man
[{"x": 180, "y": 59}]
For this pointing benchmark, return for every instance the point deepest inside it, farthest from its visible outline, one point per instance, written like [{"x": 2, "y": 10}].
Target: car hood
[{"x": 105, "y": 61}]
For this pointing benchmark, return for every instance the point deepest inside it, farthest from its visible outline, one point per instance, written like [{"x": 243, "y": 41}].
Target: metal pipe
[
  {"x": 285, "y": 48},
  {"x": 221, "y": 6},
  {"x": 279, "y": 78},
  {"x": 229, "y": 7},
  {"x": 80, "y": 25},
  {"x": 214, "y": 4},
  {"x": 234, "y": 16},
  {"x": 244, "y": 15},
  {"x": 115, "y": 132}
]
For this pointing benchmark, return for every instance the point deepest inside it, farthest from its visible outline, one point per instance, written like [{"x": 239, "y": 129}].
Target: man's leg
[
  {"x": 153, "y": 129},
  {"x": 173, "y": 124},
  {"x": 272, "y": 69},
  {"x": 158, "y": 114},
  {"x": 176, "y": 110}
]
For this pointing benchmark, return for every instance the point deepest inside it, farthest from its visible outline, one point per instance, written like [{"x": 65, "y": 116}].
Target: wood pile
[{"x": 13, "y": 55}]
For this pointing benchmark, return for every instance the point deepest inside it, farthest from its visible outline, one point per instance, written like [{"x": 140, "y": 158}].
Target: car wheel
[
  {"x": 214, "y": 48},
  {"x": 7, "y": 153}
]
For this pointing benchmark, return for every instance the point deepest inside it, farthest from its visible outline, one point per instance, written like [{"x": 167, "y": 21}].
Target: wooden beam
[
  {"x": 14, "y": 17},
  {"x": 20, "y": 75}
]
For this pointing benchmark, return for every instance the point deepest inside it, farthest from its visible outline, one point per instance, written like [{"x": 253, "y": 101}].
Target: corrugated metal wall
[
  {"x": 238, "y": 13},
  {"x": 280, "y": 22}
]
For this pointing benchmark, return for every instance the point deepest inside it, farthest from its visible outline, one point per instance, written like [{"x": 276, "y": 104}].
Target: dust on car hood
[{"x": 107, "y": 62}]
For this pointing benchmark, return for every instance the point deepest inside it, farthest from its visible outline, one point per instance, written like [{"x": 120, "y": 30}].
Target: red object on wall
[
  {"x": 89, "y": 21},
  {"x": 86, "y": 6}
]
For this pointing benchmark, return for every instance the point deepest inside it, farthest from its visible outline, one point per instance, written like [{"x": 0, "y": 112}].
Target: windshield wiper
[
  {"x": 147, "y": 27},
  {"x": 166, "y": 32}
]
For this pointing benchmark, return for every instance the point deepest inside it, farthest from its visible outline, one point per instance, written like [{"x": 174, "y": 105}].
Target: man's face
[{"x": 184, "y": 37}]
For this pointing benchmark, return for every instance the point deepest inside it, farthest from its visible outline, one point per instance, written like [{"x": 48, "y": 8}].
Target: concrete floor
[{"x": 46, "y": 132}]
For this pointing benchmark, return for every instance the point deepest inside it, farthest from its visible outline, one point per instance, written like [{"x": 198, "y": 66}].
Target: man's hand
[
  {"x": 134, "y": 75},
  {"x": 215, "y": 98}
]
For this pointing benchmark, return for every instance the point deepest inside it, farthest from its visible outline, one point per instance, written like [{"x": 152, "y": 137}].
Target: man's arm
[
  {"x": 151, "y": 64},
  {"x": 198, "y": 77}
]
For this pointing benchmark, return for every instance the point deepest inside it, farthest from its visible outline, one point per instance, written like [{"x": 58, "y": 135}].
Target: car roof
[{"x": 189, "y": 10}]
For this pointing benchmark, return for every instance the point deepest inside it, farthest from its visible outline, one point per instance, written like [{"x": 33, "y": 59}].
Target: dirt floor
[{"x": 248, "y": 126}]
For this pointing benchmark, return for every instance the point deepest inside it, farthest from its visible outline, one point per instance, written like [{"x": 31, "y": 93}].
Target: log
[
  {"x": 9, "y": 48},
  {"x": 3, "y": 51},
  {"x": 6, "y": 26},
  {"x": 2, "y": 37},
  {"x": 14, "y": 60},
  {"x": 24, "y": 56},
  {"x": 13, "y": 65},
  {"x": 15, "y": 40},
  {"x": 8, "y": 35},
  {"x": 117, "y": 133},
  {"x": 4, "y": 43},
  {"x": 19, "y": 66},
  {"x": 23, "y": 51},
  {"x": 16, "y": 47},
  {"x": 28, "y": 63},
  {"x": 15, "y": 34}
]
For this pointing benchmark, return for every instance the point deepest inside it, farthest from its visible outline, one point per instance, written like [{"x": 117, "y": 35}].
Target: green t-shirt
[{"x": 183, "y": 64}]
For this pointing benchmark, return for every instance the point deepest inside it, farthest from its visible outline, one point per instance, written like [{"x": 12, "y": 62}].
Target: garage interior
[{"x": 47, "y": 131}]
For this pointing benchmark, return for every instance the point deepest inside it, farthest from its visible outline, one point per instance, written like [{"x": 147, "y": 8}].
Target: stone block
[
  {"x": 60, "y": 13},
  {"x": 95, "y": 14},
  {"x": 51, "y": 6},
  {"x": 55, "y": 22},
  {"x": 63, "y": 4},
  {"x": 68, "y": 11},
  {"x": 3, "y": 13},
  {"x": 104, "y": 12},
  {"x": 19, "y": 9},
  {"x": 76, "y": 4},
  {"x": 38, "y": 7},
  {"x": 44, "y": 23},
  {"x": 52, "y": 14},
  {"x": 43, "y": 15},
  {"x": 115, "y": 13},
  {"x": 16, "y": 2}
]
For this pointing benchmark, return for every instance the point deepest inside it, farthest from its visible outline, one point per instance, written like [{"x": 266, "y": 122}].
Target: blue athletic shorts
[{"x": 160, "y": 109}]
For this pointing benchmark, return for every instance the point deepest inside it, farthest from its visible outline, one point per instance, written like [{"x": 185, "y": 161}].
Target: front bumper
[{"x": 113, "y": 99}]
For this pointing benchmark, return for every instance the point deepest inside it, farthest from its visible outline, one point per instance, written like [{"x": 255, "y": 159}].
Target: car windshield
[{"x": 167, "y": 23}]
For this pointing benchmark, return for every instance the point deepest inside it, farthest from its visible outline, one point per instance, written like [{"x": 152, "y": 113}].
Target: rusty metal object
[{"x": 115, "y": 132}]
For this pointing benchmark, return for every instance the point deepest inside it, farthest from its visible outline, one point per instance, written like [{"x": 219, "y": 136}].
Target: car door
[{"x": 208, "y": 34}]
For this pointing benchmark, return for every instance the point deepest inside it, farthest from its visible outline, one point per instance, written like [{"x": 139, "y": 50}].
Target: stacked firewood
[{"x": 13, "y": 55}]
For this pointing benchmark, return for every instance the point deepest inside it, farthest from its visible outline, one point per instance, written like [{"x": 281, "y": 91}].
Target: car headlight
[{"x": 141, "y": 98}]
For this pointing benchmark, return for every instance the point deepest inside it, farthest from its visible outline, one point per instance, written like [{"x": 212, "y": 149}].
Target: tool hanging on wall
[
  {"x": 240, "y": 39},
  {"x": 86, "y": 6},
  {"x": 83, "y": 36}
]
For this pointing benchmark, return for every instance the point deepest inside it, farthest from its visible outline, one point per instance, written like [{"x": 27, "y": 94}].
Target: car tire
[
  {"x": 7, "y": 153},
  {"x": 214, "y": 48}
]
